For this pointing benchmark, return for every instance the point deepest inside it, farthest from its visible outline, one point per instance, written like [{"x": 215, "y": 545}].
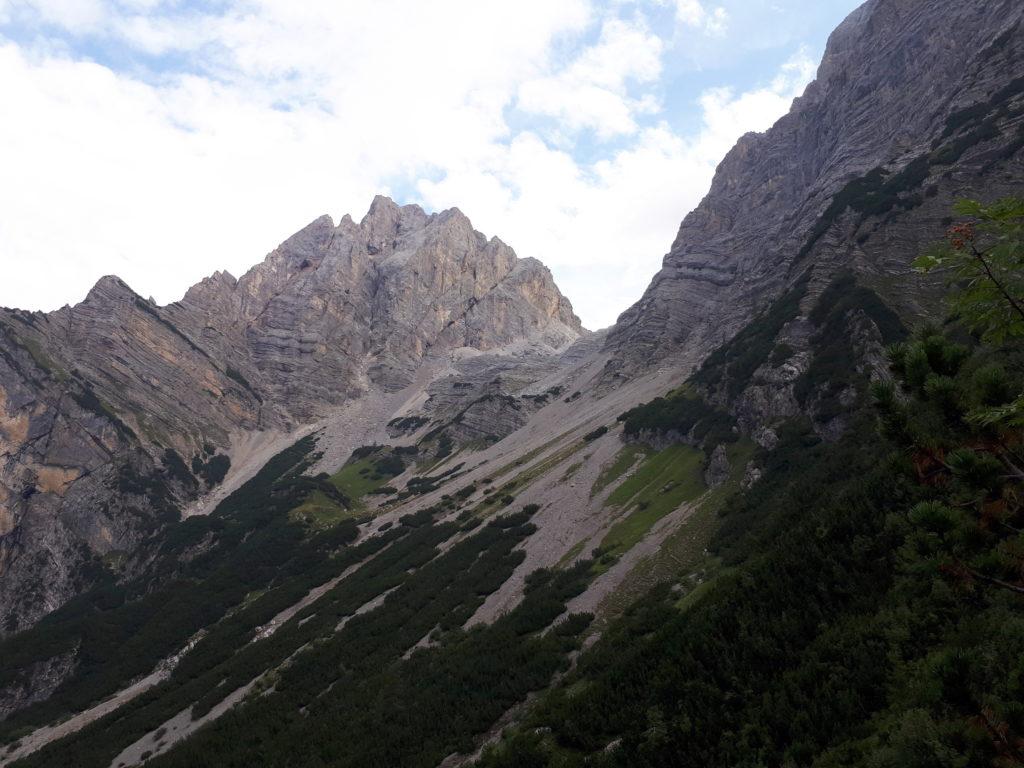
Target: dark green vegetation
[
  {"x": 684, "y": 416},
  {"x": 874, "y": 194},
  {"x": 444, "y": 446},
  {"x": 871, "y": 616},
  {"x": 370, "y": 468},
  {"x": 439, "y": 443},
  {"x": 213, "y": 470},
  {"x": 420, "y": 484},
  {"x": 233, "y": 572},
  {"x": 728, "y": 369},
  {"x": 985, "y": 260},
  {"x": 329, "y": 705},
  {"x": 408, "y": 424},
  {"x": 877, "y": 192},
  {"x": 174, "y": 467},
  {"x": 340, "y": 496},
  {"x": 204, "y": 567},
  {"x": 688, "y": 414},
  {"x": 868, "y": 608},
  {"x": 88, "y": 400},
  {"x": 339, "y": 673},
  {"x": 543, "y": 398},
  {"x": 996, "y": 107},
  {"x": 841, "y": 339},
  {"x": 861, "y": 604}
]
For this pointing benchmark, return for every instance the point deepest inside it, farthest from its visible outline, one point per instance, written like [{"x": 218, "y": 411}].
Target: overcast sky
[{"x": 163, "y": 140}]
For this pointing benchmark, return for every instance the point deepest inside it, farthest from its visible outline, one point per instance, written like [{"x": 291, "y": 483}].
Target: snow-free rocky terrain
[{"x": 326, "y": 477}]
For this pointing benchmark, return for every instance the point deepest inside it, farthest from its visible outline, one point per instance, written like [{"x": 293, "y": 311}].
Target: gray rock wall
[
  {"x": 334, "y": 312},
  {"x": 892, "y": 74}
]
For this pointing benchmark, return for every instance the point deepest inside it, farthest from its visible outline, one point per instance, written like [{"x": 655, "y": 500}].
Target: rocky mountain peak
[
  {"x": 108, "y": 289},
  {"x": 334, "y": 313},
  {"x": 386, "y": 220},
  {"x": 219, "y": 283},
  {"x": 891, "y": 95},
  {"x": 306, "y": 244},
  {"x": 404, "y": 403}
]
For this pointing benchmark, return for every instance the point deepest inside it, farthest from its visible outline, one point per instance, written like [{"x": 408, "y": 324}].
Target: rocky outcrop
[
  {"x": 915, "y": 103},
  {"x": 336, "y": 310},
  {"x": 76, "y": 482},
  {"x": 717, "y": 470},
  {"x": 104, "y": 406},
  {"x": 37, "y": 684},
  {"x": 488, "y": 396}
]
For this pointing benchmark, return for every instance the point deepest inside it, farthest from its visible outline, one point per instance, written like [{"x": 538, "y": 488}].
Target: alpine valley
[{"x": 383, "y": 501}]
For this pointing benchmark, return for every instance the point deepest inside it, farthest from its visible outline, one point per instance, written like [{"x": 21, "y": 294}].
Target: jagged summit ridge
[
  {"x": 329, "y": 313},
  {"x": 394, "y": 287}
]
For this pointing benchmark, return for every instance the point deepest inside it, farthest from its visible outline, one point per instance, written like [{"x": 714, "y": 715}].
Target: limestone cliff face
[
  {"x": 336, "y": 310},
  {"x": 104, "y": 406},
  {"x": 915, "y": 103},
  {"x": 76, "y": 483}
]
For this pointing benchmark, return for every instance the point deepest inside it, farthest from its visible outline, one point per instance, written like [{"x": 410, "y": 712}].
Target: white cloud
[
  {"x": 692, "y": 13},
  {"x": 603, "y": 228},
  {"x": 757, "y": 109},
  {"x": 165, "y": 182},
  {"x": 298, "y": 108},
  {"x": 717, "y": 22},
  {"x": 76, "y": 15},
  {"x": 592, "y": 91}
]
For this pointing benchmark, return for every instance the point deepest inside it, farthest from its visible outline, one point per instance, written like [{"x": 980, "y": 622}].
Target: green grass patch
[
  {"x": 531, "y": 455},
  {"x": 369, "y": 469},
  {"x": 663, "y": 481},
  {"x": 357, "y": 479},
  {"x": 572, "y": 470},
  {"x": 684, "y": 551},
  {"x": 523, "y": 479},
  {"x": 624, "y": 460},
  {"x": 677, "y": 465},
  {"x": 320, "y": 512},
  {"x": 572, "y": 554}
]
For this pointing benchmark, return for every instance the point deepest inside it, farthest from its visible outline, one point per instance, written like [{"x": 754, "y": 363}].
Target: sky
[{"x": 162, "y": 140}]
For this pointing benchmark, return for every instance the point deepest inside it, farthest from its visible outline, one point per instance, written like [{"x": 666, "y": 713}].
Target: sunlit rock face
[{"x": 104, "y": 405}]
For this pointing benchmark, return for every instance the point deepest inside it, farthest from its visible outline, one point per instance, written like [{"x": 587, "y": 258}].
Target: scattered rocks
[{"x": 717, "y": 471}]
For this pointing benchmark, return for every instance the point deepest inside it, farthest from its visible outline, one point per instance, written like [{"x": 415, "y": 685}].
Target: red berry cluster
[{"x": 960, "y": 234}]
